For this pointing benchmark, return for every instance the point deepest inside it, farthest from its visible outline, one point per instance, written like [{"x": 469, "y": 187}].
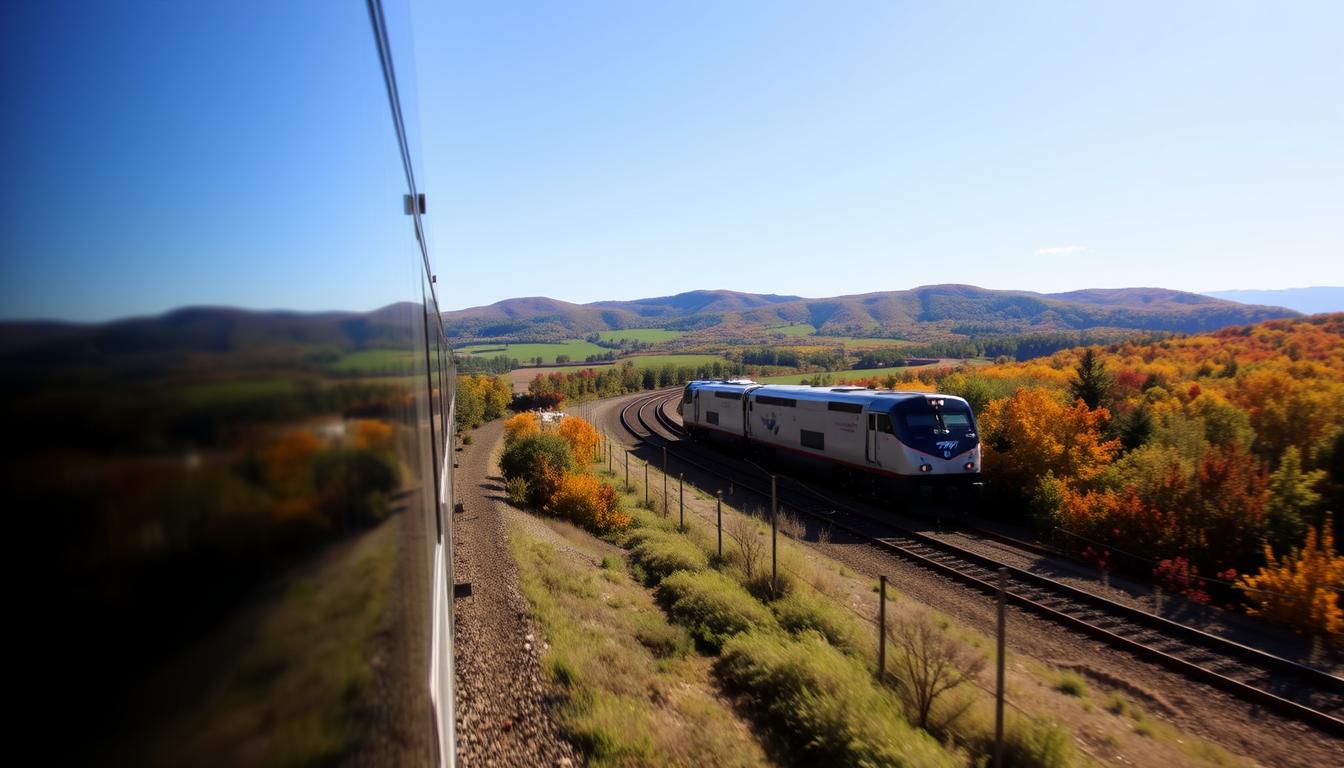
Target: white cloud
[{"x": 1061, "y": 249}]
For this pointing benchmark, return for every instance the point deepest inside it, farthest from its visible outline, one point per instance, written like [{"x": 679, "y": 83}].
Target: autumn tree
[
  {"x": 588, "y": 502},
  {"x": 1032, "y": 433},
  {"x": 519, "y": 426},
  {"x": 582, "y": 438},
  {"x": 1302, "y": 590}
]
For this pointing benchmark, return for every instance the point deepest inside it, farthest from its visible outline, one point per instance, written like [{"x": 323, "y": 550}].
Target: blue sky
[{"x": 229, "y": 155}]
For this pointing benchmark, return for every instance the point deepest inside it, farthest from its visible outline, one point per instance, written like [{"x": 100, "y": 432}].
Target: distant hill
[
  {"x": 920, "y": 313},
  {"x": 188, "y": 336},
  {"x": 1309, "y": 301}
]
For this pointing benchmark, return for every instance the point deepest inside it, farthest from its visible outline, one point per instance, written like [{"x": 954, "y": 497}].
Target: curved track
[{"x": 1304, "y": 693}]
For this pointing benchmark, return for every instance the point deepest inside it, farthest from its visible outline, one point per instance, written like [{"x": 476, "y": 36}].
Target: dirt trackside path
[{"x": 502, "y": 705}]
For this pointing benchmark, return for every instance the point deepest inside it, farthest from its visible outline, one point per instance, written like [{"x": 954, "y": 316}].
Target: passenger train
[{"x": 861, "y": 436}]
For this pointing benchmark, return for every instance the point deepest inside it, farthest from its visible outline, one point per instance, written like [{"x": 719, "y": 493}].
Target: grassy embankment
[
  {"x": 290, "y": 680},
  {"x": 799, "y": 662}
]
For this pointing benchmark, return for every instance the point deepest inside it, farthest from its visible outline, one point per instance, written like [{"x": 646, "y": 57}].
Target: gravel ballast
[{"x": 502, "y": 703}]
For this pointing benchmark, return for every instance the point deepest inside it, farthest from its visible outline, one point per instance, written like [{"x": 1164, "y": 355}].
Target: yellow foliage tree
[
  {"x": 1033, "y": 432},
  {"x": 582, "y": 438},
  {"x": 520, "y": 426},
  {"x": 1301, "y": 590}
]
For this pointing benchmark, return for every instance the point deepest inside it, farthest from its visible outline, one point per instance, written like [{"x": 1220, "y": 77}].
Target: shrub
[
  {"x": 611, "y": 729},
  {"x": 930, "y": 663},
  {"x": 541, "y": 460},
  {"x": 1035, "y": 744},
  {"x": 660, "y": 553},
  {"x": 589, "y": 503},
  {"x": 1072, "y": 684},
  {"x": 1027, "y": 743},
  {"x": 519, "y": 426},
  {"x": 750, "y": 541},
  {"x": 466, "y": 438},
  {"x": 664, "y": 640},
  {"x": 821, "y": 704},
  {"x": 712, "y": 606},
  {"x": 802, "y": 612},
  {"x": 515, "y": 488}
]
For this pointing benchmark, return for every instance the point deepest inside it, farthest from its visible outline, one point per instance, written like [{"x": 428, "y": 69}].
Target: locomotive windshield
[{"x": 934, "y": 425}]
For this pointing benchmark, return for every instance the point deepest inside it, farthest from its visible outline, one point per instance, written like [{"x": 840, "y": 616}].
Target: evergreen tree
[{"x": 1092, "y": 380}]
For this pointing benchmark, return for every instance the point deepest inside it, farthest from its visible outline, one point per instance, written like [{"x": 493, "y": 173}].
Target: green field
[
  {"x": 377, "y": 361},
  {"x": 793, "y": 329},
  {"x": 649, "y": 335},
  {"x": 577, "y": 350}
]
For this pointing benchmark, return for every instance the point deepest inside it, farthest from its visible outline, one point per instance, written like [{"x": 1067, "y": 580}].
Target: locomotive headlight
[
  {"x": 925, "y": 467},
  {"x": 970, "y": 466}
]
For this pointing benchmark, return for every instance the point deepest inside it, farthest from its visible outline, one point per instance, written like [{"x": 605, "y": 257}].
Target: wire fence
[{"x": 794, "y": 530}]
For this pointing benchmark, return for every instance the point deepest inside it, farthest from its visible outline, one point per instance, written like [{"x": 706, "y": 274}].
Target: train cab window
[
  {"x": 884, "y": 423},
  {"x": 919, "y": 423},
  {"x": 686, "y": 395},
  {"x": 956, "y": 419},
  {"x": 711, "y": 417}
]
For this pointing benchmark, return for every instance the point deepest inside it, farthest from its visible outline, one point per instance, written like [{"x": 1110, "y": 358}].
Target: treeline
[
  {"x": 829, "y": 359},
  {"x": 480, "y": 399},
  {"x": 474, "y": 364},
  {"x": 625, "y": 346},
  {"x": 556, "y": 387},
  {"x": 1021, "y": 347},
  {"x": 1209, "y": 463}
]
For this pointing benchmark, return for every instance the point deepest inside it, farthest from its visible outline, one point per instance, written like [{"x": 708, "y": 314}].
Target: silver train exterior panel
[{"x": 921, "y": 437}]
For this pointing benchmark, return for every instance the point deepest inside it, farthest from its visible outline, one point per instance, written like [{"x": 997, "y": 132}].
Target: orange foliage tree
[
  {"x": 1303, "y": 589},
  {"x": 1033, "y": 432},
  {"x": 588, "y": 502},
  {"x": 582, "y": 438},
  {"x": 519, "y": 426}
]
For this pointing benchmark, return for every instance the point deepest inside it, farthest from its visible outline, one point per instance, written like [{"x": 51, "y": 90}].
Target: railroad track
[{"x": 1293, "y": 689}]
